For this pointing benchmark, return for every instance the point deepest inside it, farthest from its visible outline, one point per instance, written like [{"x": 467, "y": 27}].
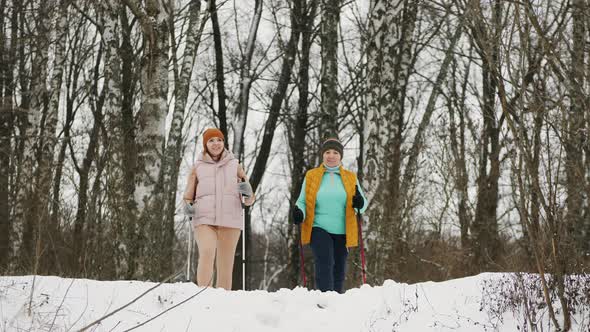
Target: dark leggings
[{"x": 329, "y": 252}]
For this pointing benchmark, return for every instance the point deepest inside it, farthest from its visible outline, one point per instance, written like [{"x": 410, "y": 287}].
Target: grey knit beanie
[{"x": 332, "y": 143}]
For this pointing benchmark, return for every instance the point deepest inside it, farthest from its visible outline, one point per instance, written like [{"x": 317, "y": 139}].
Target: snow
[{"x": 61, "y": 304}]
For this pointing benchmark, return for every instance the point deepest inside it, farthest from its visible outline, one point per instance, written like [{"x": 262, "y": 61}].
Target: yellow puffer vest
[{"x": 313, "y": 180}]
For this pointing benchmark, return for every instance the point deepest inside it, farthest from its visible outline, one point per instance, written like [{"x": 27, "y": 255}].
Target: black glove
[
  {"x": 297, "y": 215},
  {"x": 357, "y": 200}
]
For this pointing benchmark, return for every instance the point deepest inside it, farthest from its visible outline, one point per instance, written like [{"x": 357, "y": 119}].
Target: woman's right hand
[{"x": 189, "y": 209}]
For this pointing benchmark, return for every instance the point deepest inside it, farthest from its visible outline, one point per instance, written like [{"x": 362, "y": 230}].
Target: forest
[{"x": 466, "y": 121}]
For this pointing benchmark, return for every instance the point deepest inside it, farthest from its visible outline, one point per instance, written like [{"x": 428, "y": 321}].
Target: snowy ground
[{"x": 59, "y": 304}]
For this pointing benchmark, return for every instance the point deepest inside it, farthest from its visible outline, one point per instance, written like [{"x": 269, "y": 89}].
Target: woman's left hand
[
  {"x": 245, "y": 189},
  {"x": 357, "y": 200}
]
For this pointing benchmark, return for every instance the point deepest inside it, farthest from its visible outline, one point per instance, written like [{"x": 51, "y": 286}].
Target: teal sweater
[{"x": 330, "y": 206}]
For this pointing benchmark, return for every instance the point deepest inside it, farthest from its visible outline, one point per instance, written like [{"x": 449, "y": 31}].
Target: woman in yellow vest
[{"x": 326, "y": 207}]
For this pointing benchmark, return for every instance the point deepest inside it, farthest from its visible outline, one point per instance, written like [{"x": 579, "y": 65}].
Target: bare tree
[
  {"x": 538, "y": 166},
  {"x": 278, "y": 97},
  {"x": 246, "y": 80},
  {"x": 330, "y": 18},
  {"x": 219, "y": 71},
  {"x": 118, "y": 133},
  {"x": 75, "y": 96},
  {"x": 575, "y": 134},
  {"x": 487, "y": 36},
  {"x": 297, "y": 132},
  {"x": 458, "y": 144},
  {"x": 248, "y": 76},
  {"x": 81, "y": 231},
  {"x": 8, "y": 42}
]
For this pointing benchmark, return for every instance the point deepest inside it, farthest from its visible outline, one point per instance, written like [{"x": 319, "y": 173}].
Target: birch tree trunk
[
  {"x": 389, "y": 55},
  {"x": 48, "y": 144},
  {"x": 151, "y": 121},
  {"x": 8, "y": 40},
  {"x": 162, "y": 233},
  {"x": 119, "y": 90},
  {"x": 24, "y": 229},
  {"x": 152, "y": 117},
  {"x": 21, "y": 143},
  {"x": 586, "y": 230},
  {"x": 5, "y": 148},
  {"x": 330, "y": 12}
]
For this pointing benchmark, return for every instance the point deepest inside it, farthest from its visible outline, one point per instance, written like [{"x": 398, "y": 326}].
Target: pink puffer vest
[{"x": 217, "y": 201}]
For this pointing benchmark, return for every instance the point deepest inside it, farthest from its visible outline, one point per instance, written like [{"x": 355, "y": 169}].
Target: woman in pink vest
[{"x": 213, "y": 200}]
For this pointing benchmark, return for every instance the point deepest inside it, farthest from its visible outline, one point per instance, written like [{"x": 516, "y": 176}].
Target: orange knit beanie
[{"x": 209, "y": 134}]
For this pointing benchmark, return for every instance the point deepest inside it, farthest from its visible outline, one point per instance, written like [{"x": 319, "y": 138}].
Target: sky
[{"x": 459, "y": 305}]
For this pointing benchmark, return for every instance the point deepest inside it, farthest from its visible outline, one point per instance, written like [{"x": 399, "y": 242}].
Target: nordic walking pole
[
  {"x": 359, "y": 221},
  {"x": 243, "y": 245},
  {"x": 242, "y": 201},
  {"x": 189, "y": 249},
  {"x": 189, "y": 246},
  {"x": 302, "y": 260}
]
